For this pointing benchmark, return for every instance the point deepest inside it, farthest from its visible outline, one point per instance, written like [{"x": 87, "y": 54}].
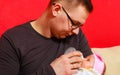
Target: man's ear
[{"x": 56, "y": 9}]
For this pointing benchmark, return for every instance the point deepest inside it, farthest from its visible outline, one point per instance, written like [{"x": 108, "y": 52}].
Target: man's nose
[{"x": 75, "y": 31}]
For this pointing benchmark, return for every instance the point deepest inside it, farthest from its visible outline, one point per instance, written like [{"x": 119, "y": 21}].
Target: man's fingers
[
  {"x": 74, "y": 71},
  {"x": 75, "y": 66},
  {"x": 74, "y": 53},
  {"x": 75, "y": 60}
]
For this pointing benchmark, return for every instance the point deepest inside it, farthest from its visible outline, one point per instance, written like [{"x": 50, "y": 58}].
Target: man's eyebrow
[{"x": 75, "y": 21}]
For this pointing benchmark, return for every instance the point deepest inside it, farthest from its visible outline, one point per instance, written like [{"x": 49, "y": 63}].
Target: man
[{"x": 38, "y": 47}]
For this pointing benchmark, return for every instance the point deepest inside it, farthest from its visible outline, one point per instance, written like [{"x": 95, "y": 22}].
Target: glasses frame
[{"x": 73, "y": 26}]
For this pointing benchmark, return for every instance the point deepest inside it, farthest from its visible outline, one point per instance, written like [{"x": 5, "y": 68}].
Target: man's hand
[
  {"x": 67, "y": 64},
  {"x": 88, "y": 62}
]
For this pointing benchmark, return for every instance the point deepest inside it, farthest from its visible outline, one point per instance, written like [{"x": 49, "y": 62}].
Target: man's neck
[{"x": 41, "y": 26}]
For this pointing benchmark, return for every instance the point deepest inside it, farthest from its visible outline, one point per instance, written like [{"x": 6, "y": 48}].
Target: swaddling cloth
[{"x": 83, "y": 71}]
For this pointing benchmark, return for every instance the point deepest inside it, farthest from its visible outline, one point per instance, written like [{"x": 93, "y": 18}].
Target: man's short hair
[{"x": 71, "y": 3}]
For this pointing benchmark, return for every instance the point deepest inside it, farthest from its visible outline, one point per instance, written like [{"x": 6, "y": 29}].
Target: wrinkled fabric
[{"x": 83, "y": 71}]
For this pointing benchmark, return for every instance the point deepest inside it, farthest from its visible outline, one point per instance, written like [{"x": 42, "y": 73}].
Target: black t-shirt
[{"x": 23, "y": 51}]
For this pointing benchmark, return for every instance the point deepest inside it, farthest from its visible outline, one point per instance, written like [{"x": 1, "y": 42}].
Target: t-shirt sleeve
[
  {"x": 83, "y": 44},
  {"x": 9, "y": 61}
]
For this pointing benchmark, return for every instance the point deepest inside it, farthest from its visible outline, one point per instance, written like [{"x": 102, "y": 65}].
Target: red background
[{"x": 102, "y": 28}]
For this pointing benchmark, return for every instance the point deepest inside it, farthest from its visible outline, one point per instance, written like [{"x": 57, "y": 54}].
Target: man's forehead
[{"x": 79, "y": 14}]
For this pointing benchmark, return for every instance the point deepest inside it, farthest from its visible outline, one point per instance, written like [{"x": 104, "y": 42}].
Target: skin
[{"x": 55, "y": 23}]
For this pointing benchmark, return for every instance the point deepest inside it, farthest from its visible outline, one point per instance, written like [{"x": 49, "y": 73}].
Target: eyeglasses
[{"x": 74, "y": 25}]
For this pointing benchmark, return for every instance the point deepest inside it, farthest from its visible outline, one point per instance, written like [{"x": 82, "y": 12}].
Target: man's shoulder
[
  {"x": 19, "y": 29},
  {"x": 18, "y": 32}
]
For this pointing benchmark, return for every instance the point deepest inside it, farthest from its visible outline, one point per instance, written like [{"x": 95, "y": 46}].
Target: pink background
[{"x": 102, "y": 28}]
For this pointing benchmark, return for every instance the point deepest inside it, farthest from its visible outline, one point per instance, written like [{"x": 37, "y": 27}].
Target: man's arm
[
  {"x": 88, "y": 61},
  {"x": 9, "y": 62}
]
